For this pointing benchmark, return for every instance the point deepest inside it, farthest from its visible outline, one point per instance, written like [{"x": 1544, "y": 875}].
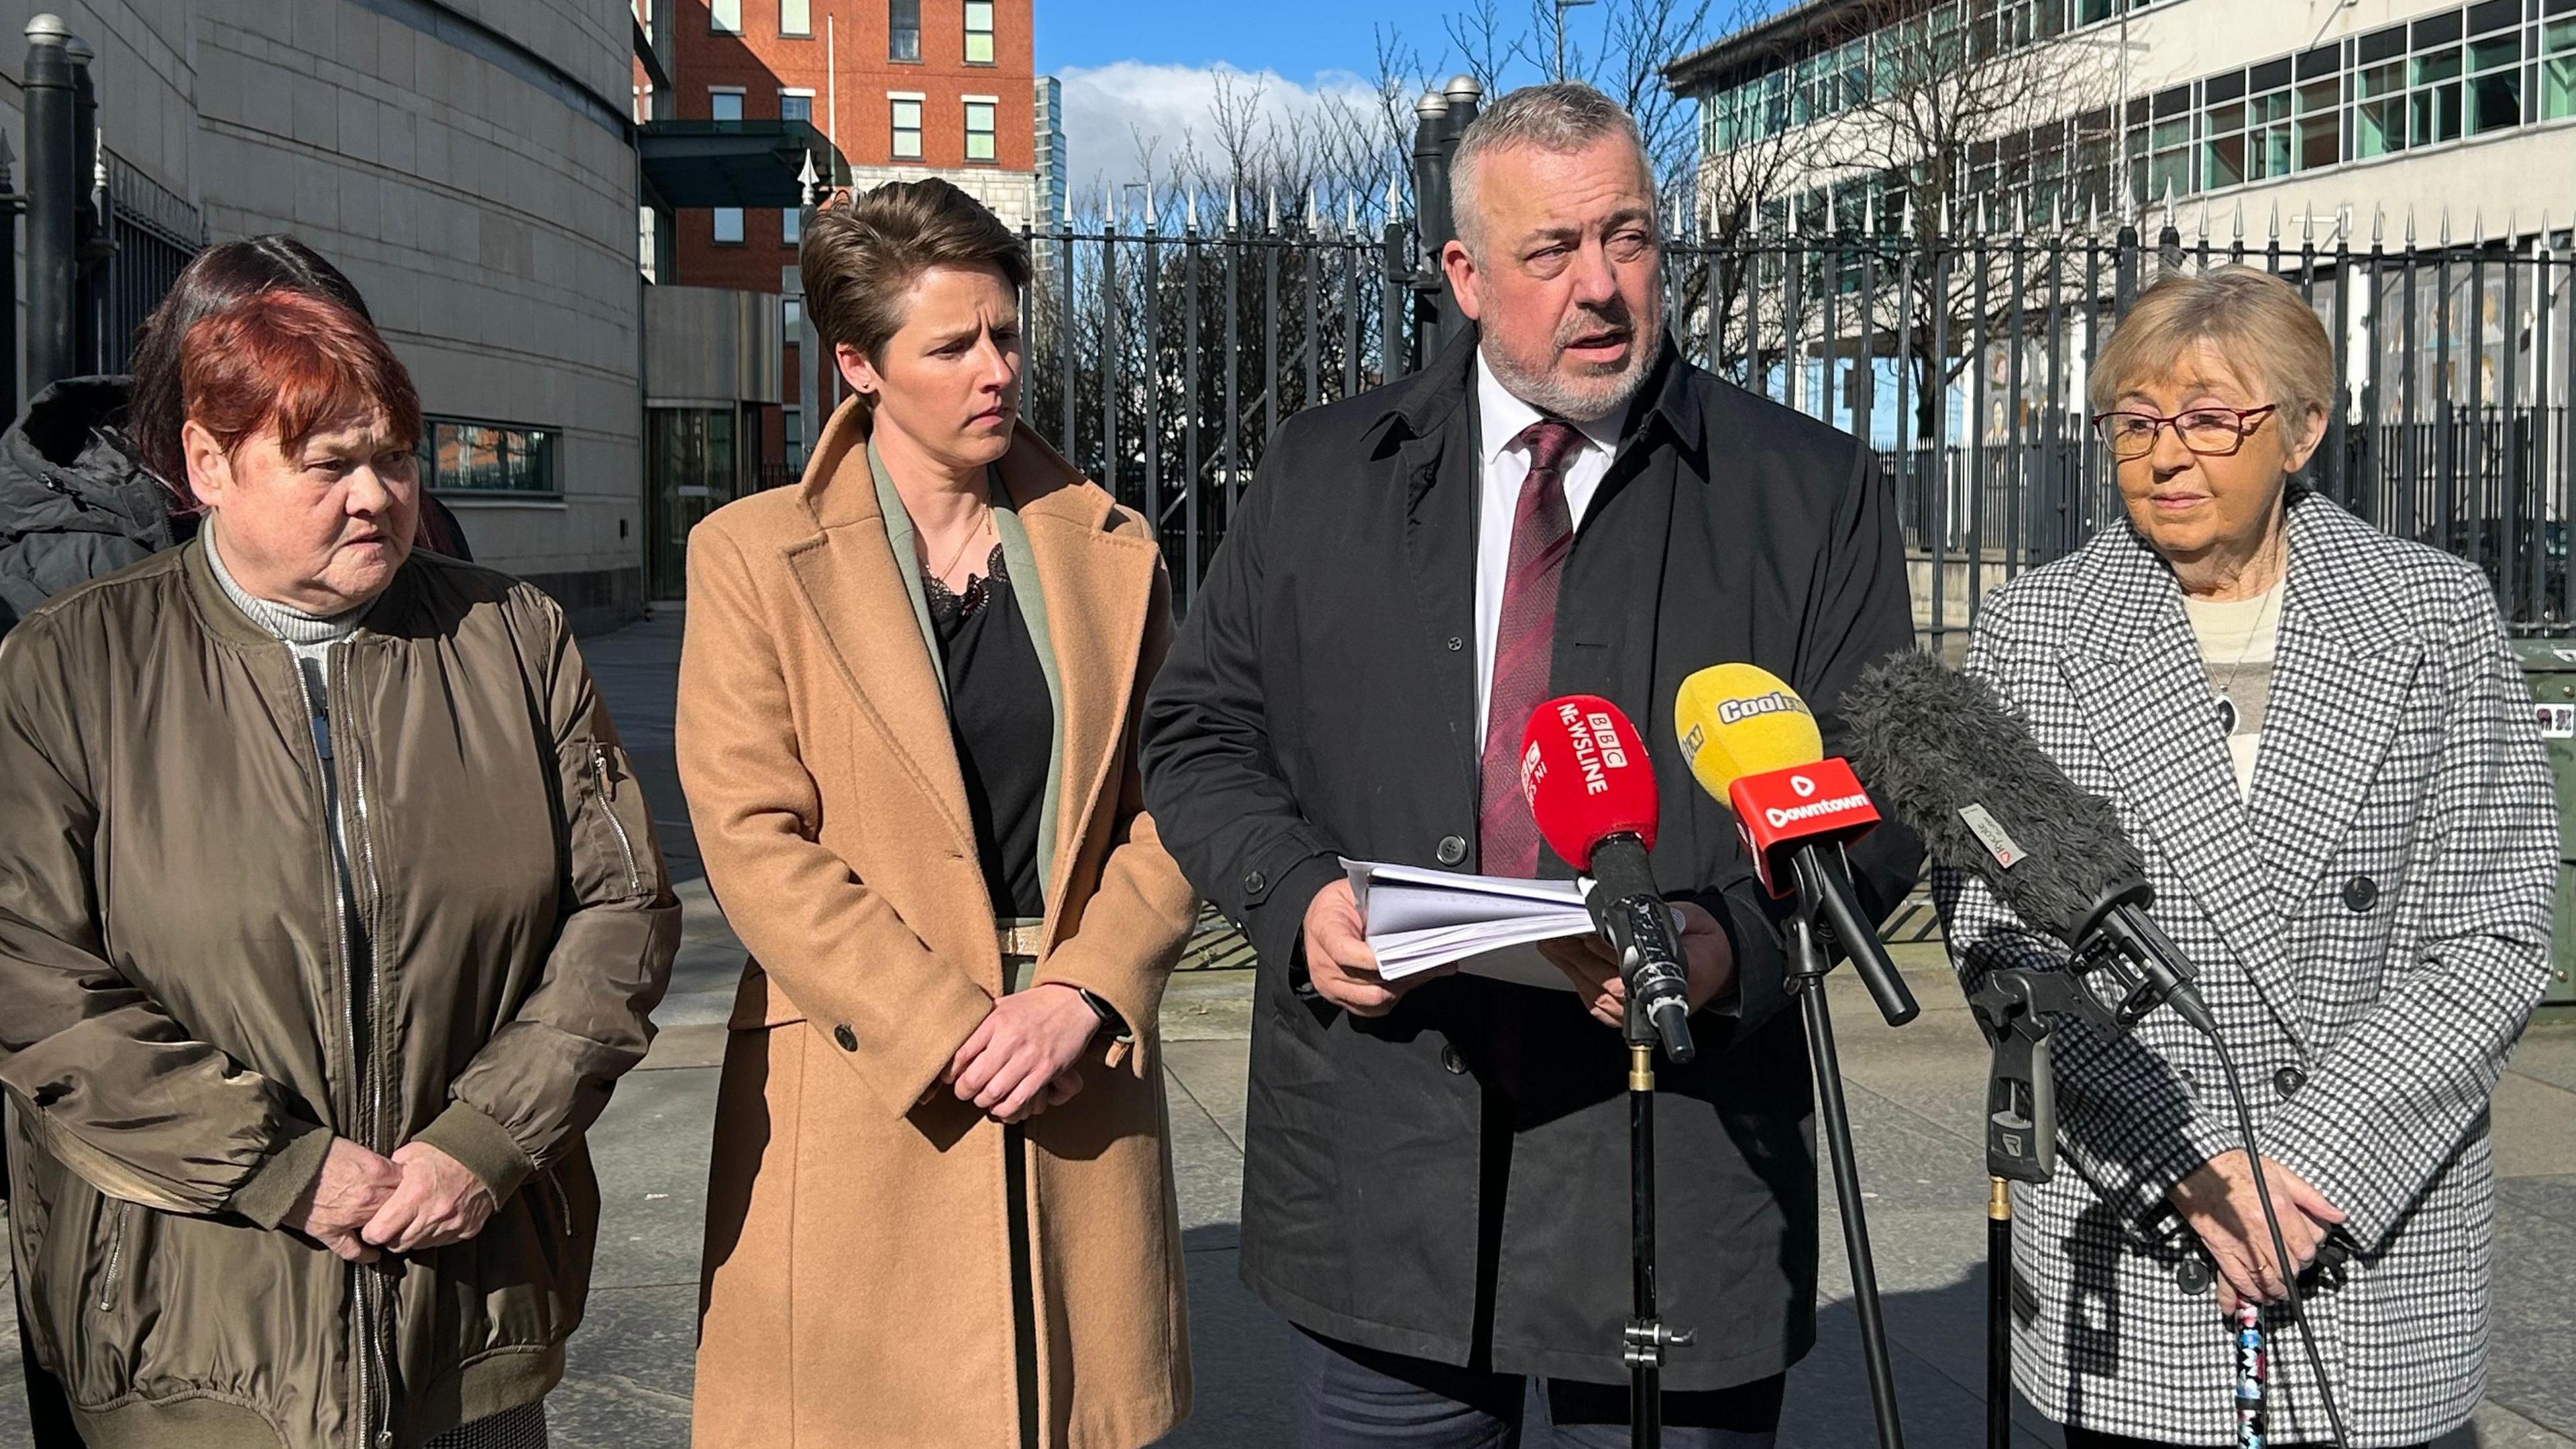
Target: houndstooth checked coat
[{"x": 2371, "y": 930}]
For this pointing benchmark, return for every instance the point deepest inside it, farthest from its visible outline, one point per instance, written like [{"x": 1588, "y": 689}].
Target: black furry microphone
[{"x": 1946, "y": 756}]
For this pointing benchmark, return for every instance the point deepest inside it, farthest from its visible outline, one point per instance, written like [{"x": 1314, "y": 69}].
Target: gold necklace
[{"x": 972, "y": 534}]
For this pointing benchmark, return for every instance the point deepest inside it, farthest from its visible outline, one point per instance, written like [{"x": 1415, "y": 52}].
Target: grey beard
[{"x": 1577, "y": 401}]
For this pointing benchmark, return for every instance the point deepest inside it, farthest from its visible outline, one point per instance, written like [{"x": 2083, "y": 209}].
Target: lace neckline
[{"x": 951, "y": 607}]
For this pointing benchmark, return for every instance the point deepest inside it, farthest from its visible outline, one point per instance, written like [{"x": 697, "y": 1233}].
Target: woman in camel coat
[{"x": 941, "y": 1207}]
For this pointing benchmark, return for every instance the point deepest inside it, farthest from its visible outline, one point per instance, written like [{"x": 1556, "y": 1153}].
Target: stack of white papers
[{"x": 1419, "y": 920}]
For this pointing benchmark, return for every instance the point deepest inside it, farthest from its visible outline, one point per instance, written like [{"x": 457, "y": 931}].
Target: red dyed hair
[{"x": 295, "y": 362}]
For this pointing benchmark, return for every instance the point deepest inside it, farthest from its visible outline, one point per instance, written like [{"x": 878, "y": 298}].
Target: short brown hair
[
  {"x": 2257, "y": 323},
  {"x": 292, "y": 361},
  {"x": 861, "y": 257}
]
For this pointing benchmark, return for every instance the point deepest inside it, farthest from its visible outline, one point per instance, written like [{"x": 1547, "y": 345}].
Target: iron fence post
[
  {"x": 12, "y": 205},
  {"x": 2124, "y": 272},
  {"x": 53, "y": 192}
]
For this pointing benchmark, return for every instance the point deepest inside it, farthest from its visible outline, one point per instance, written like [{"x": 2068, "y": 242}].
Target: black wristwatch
[{"x": 1108, "y": 1014}]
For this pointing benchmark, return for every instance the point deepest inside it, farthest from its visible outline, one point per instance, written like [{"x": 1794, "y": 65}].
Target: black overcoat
[{"x": 1450, "y": 1181}]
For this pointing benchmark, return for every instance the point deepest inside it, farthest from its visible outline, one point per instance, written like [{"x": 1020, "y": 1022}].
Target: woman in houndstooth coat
[{"x": 2319, "y": 738}]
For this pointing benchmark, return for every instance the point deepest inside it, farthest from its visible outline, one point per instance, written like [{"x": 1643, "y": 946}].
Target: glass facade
[{"x": 2455, "y": 74}]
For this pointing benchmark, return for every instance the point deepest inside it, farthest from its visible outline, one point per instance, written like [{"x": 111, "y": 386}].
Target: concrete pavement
[{"x": 1915, "y": 1102}]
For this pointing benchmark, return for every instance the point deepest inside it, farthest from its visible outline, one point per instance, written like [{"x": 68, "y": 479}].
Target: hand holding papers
[{"x": 1420, "y": 920}]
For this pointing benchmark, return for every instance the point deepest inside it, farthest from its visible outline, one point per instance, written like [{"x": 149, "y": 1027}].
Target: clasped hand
[
  {"x": 2219, "y": 1202},
  {"x": 1019, "y": 1059},
  {"x": 361, "y": 1205}
]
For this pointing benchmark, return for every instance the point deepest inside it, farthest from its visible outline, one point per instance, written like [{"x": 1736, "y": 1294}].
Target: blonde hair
[{"x": 2257, "y": 324}]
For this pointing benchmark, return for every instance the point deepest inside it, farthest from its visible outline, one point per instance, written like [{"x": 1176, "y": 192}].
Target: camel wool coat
[{"x": 857, "y": 1286}]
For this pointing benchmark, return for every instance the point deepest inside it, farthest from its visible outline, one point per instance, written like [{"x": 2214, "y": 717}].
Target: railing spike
[
  {"x": 2276, "y": 216},
  {"x": 2443, "y": 238},
  {"x": 1351, "y": 213},
  {"x": 1394, "y": 198},
  {"x": 1233, "y": 208},
  {"x": 1150, "y": 222},
  {"x": 1192, "y": 221},
  {"x": 2410, "y": 226},
  {"x": 1274, "y": 211}
]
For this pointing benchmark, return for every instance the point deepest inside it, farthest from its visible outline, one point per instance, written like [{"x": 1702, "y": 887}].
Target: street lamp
[{"x": 1561, "y": 7}]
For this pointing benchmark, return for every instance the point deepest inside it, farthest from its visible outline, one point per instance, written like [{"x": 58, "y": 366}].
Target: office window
[
  {"x": 791, "y": 225},
  {"x": 459, "y": 456},
  {"x": 724, "y": 105},
  {"x": 903, "y": 29},
  {"x": 791, "y": 317},
  {"x": 725, "y": 16},
  {"x": 979, "y": 130},
  {"x": 979, "y": 32},
  {"x": 728, "y": 226},
  {"x": 2495, "y": 81},
  {"x": 907, "y": 128},
  {"x": 796, "y": 106},
  {"x": 796, "y": 17},
  {"x": 2558, "y": 69}
]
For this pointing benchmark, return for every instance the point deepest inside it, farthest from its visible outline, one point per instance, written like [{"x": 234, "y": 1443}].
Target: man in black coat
[{"x": 1435, "y": 1173}]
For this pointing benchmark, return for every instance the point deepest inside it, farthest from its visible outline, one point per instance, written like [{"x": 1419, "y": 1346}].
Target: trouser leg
[
  {"x": 1348, "y": 1397},
  {"x": 1595, "y": 1416}
]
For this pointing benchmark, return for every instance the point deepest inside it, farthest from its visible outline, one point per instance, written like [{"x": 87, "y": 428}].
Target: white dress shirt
[{"x": 1503, "y": 467}]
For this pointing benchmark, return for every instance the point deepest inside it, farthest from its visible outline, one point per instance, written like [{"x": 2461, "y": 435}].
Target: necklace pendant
[{"x": 2226, "y": 715}]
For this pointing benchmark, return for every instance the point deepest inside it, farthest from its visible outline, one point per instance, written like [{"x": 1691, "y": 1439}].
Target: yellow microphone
[
  {"x": 1754, "y": 745},
  {"x": 1736, "y": 720}
]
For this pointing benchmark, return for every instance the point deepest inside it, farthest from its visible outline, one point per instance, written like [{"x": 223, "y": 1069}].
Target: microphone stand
[
  {"x": 1646, "y": 1338},
  {"x": 1821, "y": 894}
]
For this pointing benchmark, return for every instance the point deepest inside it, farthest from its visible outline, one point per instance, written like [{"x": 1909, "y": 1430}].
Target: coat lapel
[
  {"x": 854, "y": 589},
  {"x": 1438, "y": 465},
  {"x": 1098, "y": 583},
  {"x": 2148, "y": 708},
  {"x": 2345, "y": 661}
]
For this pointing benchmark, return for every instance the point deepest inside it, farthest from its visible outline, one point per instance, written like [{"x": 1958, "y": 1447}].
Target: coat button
[
  {"x": 1453, "y": 849},
  {"x": 1450, "y": 1059},
  {"x": 2360, "y": 893},
  {"x": 2288, "y": 1080},
  {"x": 1255, "y": 883},
  {"x": 2192, "y": 1276},
  {"x": 848, "y": 1039},
  {"x": 1456, "y": 643}
]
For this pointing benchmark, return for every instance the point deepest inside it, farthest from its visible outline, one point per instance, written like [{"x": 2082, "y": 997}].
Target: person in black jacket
[{"x": 1435, "y": 1178}]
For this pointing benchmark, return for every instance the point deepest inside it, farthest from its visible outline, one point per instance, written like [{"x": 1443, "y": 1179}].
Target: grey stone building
[{"x": 471, "y": 164}]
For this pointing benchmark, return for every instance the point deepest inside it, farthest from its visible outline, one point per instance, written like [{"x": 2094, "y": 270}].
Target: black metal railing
[{"x": 1161, "y": 363}]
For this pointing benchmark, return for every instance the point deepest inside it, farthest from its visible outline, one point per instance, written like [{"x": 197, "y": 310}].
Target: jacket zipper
[
  {"x": 115, "y": 1258},
  {"x": 366, "y": 1104},
  {"x": 374, "y": 1310},
  {"x": 607, "y": 804}
]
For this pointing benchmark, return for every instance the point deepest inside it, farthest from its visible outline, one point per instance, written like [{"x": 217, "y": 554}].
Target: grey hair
[{"x": 1559, "y": 118}]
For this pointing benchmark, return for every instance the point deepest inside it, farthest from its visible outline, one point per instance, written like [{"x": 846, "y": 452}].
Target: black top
[{"x": 1003, "y": 724}]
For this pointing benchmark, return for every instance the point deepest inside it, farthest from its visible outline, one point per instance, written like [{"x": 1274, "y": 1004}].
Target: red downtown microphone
[{"x": 1591, "y": 788}]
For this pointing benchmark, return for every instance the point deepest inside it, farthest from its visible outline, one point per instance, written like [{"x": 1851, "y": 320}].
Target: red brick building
[{"x": 901, "y": 88}]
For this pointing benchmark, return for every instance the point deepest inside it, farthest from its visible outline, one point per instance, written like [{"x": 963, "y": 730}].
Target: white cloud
[{"x": 1108, "y": 108}]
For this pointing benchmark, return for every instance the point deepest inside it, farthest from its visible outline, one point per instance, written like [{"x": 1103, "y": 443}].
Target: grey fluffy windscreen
[{"x": 1930, "y": 741}]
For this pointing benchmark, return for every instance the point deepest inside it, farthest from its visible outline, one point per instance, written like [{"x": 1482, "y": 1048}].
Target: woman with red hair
[{"x": 329, "y": 914}]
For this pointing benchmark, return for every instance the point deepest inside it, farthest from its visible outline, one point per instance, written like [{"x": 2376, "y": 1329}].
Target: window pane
[
  {"x": 791, "y": 225},
  {"x": 728, "y": 225},
  {"x": 2320, "y": 144},
  {"x": 907, "y": 130},
  {"x": 2379, "y": 128},
  {"x": 792, "y": 316},
  {"x": 2318, "y": 96},
  {"x": 725, "y": 105},
  {"x": 795, "y": 17},
  {"x": 2558, "y": 88},
  {"x": 2436, "y": 115},
  {"x": 903, "y": 29},
  {"x": 2224, "y": 161},
  {"x": 2495, "y": 102},
  {"x": 796, "y": 108},
  {"x": 979, "y": 47},
  {"x": 979, "y": 130},
  {"x": 2439, "y": 65},
  {"x": 726, "y": 15}
]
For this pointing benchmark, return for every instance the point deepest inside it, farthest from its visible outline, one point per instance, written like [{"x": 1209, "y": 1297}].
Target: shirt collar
[{"x": 1501, "y": 416}]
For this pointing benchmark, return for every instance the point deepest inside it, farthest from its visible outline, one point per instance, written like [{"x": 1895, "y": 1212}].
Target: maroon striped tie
[{"x": 1524, "y": 643}]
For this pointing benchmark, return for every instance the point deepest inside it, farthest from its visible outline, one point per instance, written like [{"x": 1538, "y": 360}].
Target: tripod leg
[
  {"x": 1838, "y": 1141},
  {"x": 1998, "y": 1314}
]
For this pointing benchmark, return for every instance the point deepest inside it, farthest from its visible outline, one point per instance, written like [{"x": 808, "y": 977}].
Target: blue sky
[{"x": 1152, "y": 68}]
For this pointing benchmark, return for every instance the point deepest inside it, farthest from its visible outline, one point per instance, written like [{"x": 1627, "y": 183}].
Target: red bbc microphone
[{"x": 1591, "y": 788}]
